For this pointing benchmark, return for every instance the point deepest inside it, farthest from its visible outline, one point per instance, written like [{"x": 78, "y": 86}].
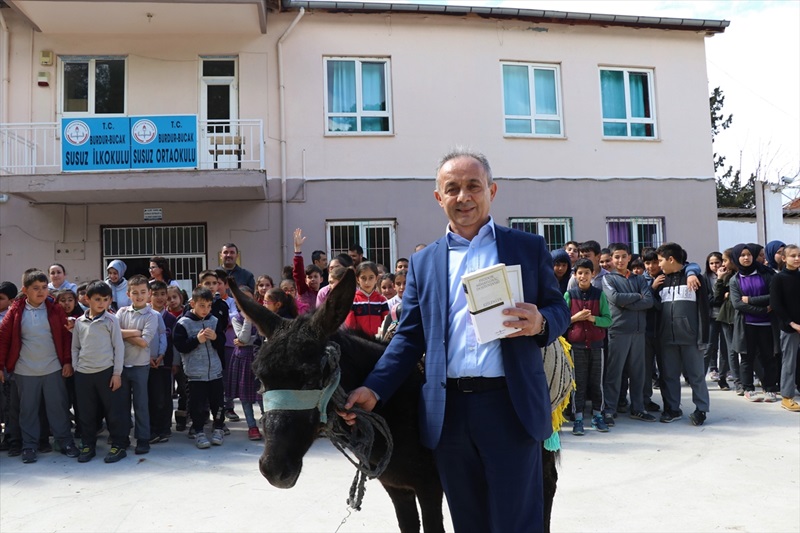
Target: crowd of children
[
  {"x": 86, "y": 357},
  {"x": 640, "y": 324}
]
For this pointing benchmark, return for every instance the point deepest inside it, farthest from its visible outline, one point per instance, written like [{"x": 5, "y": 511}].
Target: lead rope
[{"x": 359, "y": 440}]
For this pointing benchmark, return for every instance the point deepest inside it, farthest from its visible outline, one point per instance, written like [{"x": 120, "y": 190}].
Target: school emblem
[
  {"x": 76, "y": 133},
  {"x": 144, "y": 131}
]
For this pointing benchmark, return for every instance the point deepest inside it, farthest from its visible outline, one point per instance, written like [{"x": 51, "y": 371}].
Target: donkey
[{"x": 296, "y": 358}]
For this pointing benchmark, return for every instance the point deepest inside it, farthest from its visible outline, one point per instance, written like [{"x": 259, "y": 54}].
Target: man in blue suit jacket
[{"x": 485, "y": 408}]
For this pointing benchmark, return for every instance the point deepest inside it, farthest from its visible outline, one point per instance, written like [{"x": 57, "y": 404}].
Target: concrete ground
[{"x": 740, "y": 472}]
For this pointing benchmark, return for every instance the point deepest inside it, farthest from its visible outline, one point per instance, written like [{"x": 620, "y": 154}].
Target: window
[
  {"x": 94, "y": 86},
  {"x": 556, "y": 231},
  {"x": 627, "y": 100},
  {"x": 184, "y": 247},
  {"x": 531, "y": 101},
  {"x": 357, "y": 100},
  {"x": 377, "y": 237},
  {"x": 636, "y": 232}
]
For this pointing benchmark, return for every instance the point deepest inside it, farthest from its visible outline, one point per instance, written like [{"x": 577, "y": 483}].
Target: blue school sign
[{"x": 129, "y": 143}]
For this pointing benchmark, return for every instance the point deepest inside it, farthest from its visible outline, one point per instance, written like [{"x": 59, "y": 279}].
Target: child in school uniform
[
  {"x": 590, "y": 317},
  {"x": 34, "y": 345},
  {"x": 98, "y": 353},
  {"x": 159, "y": 383},
  {"x": 369, "y": 305},
  {"x": 198, "y": 346},
  {"x": 241, "y": 382},
  {"x": 784, "y": 298}
]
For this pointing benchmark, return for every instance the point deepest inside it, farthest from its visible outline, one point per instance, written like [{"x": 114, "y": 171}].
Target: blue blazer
[{"x": 423, "y": 330}]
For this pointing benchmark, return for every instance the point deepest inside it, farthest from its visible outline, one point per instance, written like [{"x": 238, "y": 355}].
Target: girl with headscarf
[
  {"x": 774, "y": 253},
  {"x": 754, "y": 330}
]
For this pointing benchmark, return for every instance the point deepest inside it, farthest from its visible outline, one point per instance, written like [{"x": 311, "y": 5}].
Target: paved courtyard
[{"x": 740, "y": 472}]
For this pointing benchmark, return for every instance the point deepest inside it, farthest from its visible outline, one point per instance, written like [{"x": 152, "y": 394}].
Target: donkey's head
[{"x": 296, "y": 357}]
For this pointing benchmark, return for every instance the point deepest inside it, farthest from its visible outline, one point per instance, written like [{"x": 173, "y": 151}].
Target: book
[{"x": 489, "y": 291}]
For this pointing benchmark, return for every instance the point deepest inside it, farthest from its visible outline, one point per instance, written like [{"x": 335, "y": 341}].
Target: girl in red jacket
[{"x": 369, "y": 305}]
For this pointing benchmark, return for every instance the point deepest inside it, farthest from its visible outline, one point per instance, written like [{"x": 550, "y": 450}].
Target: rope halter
[{"x": 300, "y": 400}]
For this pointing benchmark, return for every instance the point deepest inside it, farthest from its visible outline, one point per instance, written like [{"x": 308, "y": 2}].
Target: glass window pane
[
  {"x": 342, "y": 124},
  {"x": 76, "y": 87},
  {"x": 375, "y": 124},
  {"x": 341, "y": 87},
  {"x": 109, "y": 86},
  {"x": 219, "y": 67},
  {"x": 615, "y": 129},
  {"x": 373, "y": 87},
  {"x": 218, "y": 102},
  {"x": 548, "y": 127},
  {"x": 517, "y": 125},
  {"x": 641, "y": 130},
  {"x": 516, "y": 91},
  {"x": 612, "y": 87},
  {"x": 544, "y": 83},
  {"x": 640, "y": 94}
]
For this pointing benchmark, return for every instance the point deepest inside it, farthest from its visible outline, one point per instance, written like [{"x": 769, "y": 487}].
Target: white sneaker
[
  {"x": 770, "y": 397},
  {"x": 217, "y": 437},
  {"x": 201, "y": 441},
  {"x": 753, "y": 396}
]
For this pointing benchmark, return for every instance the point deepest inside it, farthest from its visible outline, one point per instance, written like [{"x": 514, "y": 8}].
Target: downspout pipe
[
  {"x": 282, "y": 133},
  {"x": 4, "y": 76}
]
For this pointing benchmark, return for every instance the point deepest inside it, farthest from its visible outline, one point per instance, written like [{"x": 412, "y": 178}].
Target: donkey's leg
[
  {"x": 550, "y": 475},
  {"x": 405, "y": 507},
  {"x": 430, "y": 495}
]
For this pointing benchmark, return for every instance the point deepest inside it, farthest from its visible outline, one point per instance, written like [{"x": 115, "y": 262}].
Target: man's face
[
  {"x": 229, "y": 255},
  {"x": 210, "y": 283},
  {"x": 139, "y": 294},
  {"x": 98, "y": 304},
  {"x": 620, "y": 259},
  {"x": 356, "y": 257},
  {"x": 158, "y": 299},
  {"x": 322, "y": 262},
  {"x": 36, "y": 292},
  {"x": 463, "y": 191}
]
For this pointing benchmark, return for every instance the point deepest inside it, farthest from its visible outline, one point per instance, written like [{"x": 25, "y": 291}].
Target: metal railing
[{"x": 35, "y": 148}]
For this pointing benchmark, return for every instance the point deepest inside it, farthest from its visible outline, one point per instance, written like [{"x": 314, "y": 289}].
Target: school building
[{"x": 130, "y": 129}]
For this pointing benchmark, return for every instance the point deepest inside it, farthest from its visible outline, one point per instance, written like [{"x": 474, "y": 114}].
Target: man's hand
[
  {"x": 298, "y": 240},
  {"x": 116, "y": 383},
  {"x": 530, "y": 321},
  {"x": 361, "y": 397},
  {"x": 66, "y": 370}
]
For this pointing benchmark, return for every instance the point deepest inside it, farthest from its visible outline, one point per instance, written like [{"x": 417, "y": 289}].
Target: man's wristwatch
[{"x": 544, "y": 326}]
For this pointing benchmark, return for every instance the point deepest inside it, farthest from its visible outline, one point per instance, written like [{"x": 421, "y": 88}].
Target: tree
[{"x": 730, "y": 190}]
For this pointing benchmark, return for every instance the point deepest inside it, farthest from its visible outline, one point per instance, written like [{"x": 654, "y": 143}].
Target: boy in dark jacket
[{"x": 682, "y": 330}]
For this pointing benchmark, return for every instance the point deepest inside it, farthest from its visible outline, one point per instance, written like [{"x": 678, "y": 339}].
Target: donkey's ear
[
  {"x": 331, "y": 315},
  {"x": 265, "y": 320}
]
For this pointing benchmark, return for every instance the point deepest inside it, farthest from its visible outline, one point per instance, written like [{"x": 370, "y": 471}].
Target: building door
[
  {"x": 184, "y": 247},
  {"x": 219, "y": 110}
]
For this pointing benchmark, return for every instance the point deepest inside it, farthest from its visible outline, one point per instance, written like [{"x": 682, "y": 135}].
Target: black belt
[{"x": 477, "y": 384}]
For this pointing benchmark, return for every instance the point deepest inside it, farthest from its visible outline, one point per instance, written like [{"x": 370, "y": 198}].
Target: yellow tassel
[{"x": 558, "y": 413}]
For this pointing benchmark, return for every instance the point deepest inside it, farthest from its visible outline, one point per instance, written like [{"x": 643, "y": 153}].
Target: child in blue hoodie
[{"x": 119, "y": 285}]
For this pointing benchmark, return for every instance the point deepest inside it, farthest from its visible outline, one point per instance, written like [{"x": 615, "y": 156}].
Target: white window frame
[
  {"x": 532, "y": 99},
  {"x": 541, "y": 222},
  {"x": 630, "y": 119},
  {"x": 91, "y": 60},
  {"x": 360, "y": 112},
  {"x": 361, "y": 226},
  {"x": 635, "y": 244}
]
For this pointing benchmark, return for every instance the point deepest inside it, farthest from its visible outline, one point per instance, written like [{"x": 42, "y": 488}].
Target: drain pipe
[
  {"x": 4, "y": 69},
  {"x": 282, "y": 115}
]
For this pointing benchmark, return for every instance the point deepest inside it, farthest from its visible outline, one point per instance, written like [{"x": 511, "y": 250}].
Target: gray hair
[{"x": 459, "y": 151}]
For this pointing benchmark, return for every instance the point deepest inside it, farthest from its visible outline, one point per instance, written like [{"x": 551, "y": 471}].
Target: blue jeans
[
  {"x": 249, "y": 416},
  {"x": 134, "y": 382}
]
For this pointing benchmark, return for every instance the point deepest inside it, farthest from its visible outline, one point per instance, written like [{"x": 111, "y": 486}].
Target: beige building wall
[{"x": 446, "y": 90}]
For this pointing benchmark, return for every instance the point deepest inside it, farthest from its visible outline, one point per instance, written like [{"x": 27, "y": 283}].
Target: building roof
[
  {"x": 739, "y": 212},
  {"x": 710, "y": 27}
]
